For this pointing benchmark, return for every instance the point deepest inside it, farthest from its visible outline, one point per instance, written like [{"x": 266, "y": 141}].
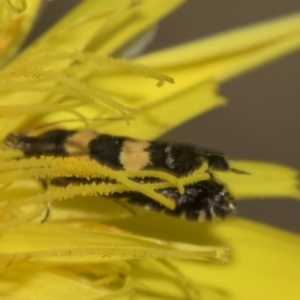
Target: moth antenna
[
  {"x": 237, "y": 171},
  {"x": 44, "y": 184},
  {"x": 48, "y": 212},
  {"x": 127, "y": 207},
  {"x": 68, "y": 121},
  {"x": 81, "y": 118}
]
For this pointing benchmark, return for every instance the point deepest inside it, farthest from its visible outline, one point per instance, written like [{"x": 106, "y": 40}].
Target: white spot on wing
[
  {"x": 77, "y": 144},
  {"x": 133, "y": 155}
]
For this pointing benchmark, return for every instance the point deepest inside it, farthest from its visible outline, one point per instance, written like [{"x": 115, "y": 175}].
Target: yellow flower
[{"x": 85, "y": 250}]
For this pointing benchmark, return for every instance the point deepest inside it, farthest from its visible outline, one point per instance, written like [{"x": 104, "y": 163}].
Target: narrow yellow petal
[
  {"x": 229, "y": 54},
  {"x": 35, "y": 283},
  {"x": 264, "y": 263},
  {"x": 47, "y": 242},
  {"x": 166, "y": 108},
  {"x": 113, "y": 24},
  {"x": 263, "y": 180}
]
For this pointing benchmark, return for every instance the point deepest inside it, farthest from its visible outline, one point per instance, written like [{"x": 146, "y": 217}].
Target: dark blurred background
[{"x": 262, "y": 120}]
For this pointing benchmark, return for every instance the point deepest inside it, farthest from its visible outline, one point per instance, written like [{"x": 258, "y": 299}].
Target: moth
[{"x": 201, "y": 201}]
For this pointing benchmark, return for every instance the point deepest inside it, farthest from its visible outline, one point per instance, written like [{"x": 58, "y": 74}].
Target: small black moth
[{"x": 201, "y": 201}]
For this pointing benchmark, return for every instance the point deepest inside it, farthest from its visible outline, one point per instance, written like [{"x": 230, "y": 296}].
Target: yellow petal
[
  {"x": 228, "y": 54},
  {"x": 48, "y": 242},
  {"x": 103, "y": 26},
  {"x": 193, "y": 75},
  {"x": 166, "y": 108},
  {"x": 264, "y": 263},
  {"x": 263, "y": 180},
  {"x": 93, "y": 258},
  {"x": 264, "y": 256},
  {"x": 261, "y": 255},
  {"x": 196, "y": 65},
  {"x": 44, "y": 76},
  {"x": 34, "y": 283}
]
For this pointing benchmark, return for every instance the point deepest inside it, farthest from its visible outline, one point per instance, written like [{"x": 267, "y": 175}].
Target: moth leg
[
  {"x": 59, "y": 181},
  {"x": 44, "y": 184},
  {"x": 125, "y": 205},
  {"x": 48, "y": 211},
  {"x": 237, "y": 171}
]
